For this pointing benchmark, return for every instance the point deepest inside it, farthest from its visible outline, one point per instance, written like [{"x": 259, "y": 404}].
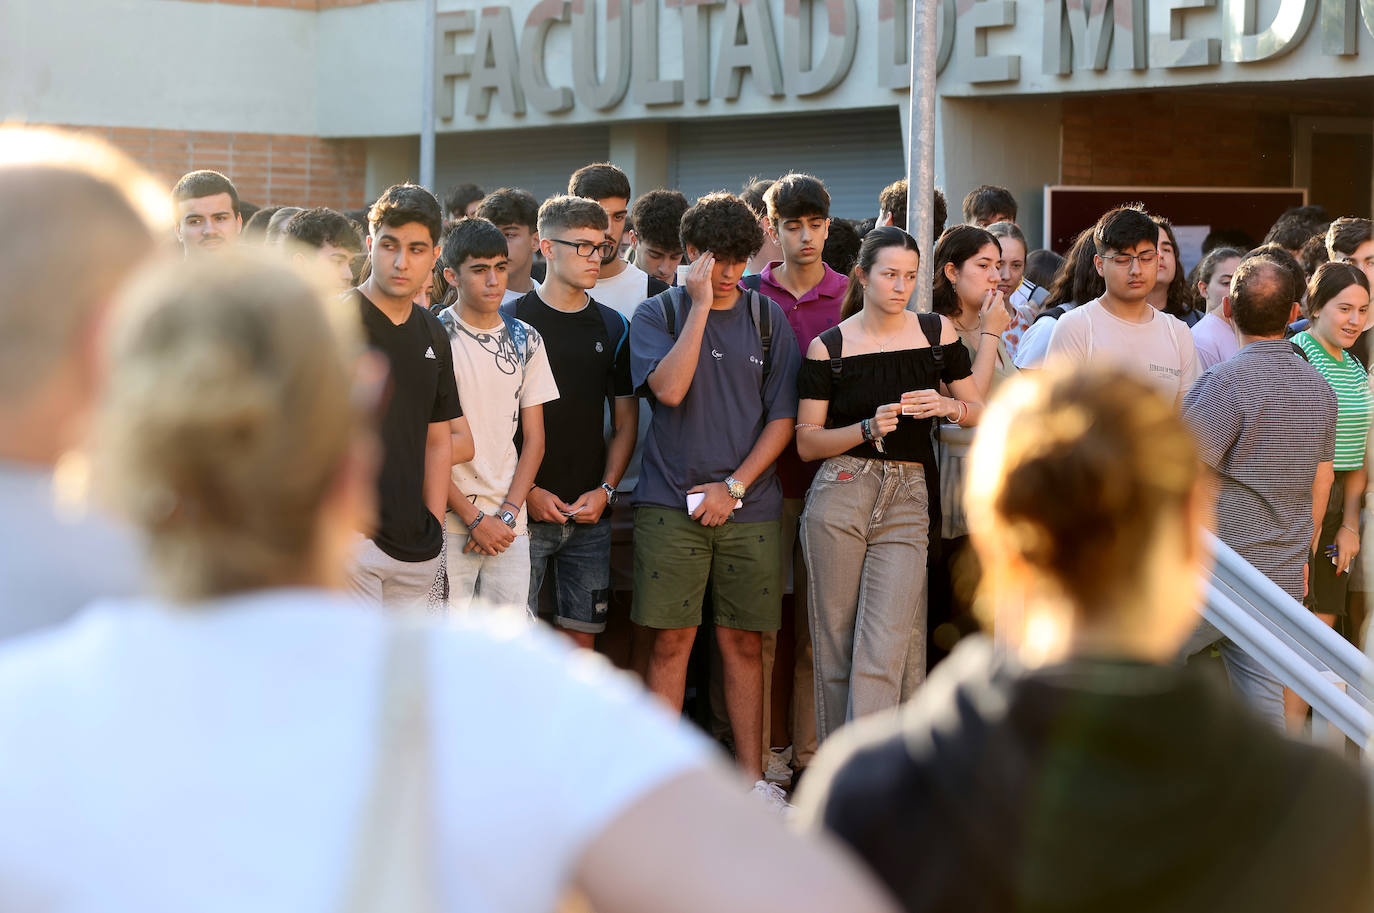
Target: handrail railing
[{"x": 1328, "y": 672}]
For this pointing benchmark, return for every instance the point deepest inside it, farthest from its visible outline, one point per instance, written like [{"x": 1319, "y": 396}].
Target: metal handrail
[{"x": 1284, "y": 636}]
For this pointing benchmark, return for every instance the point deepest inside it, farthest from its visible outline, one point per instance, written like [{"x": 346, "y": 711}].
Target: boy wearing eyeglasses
[
  {"x": 588, "y": 349},
  {"x": 1121, "y": 327},
  {"x": 504, "y": 379}
]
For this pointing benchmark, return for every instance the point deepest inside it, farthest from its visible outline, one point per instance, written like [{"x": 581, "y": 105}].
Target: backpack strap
[
  {"x": 833, "y": 340},
  {"x": 1299, "y": 351},
  {"x": 764, "y": 324},
  {"x": 617, "y": 329},
  {"x": 519, "y": 337},
  {"x": 932, "y": 326},
  {"x": 668, "y": 306}
]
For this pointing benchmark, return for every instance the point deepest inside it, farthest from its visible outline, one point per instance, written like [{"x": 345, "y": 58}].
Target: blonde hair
[
  {"x": 1078, "y": 471},
  {"x": 226, "y": 417},
  {"x": 80, "y": 216}
]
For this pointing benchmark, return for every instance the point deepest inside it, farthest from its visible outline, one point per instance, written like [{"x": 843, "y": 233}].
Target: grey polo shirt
[{"x": 1264, "y": 419}]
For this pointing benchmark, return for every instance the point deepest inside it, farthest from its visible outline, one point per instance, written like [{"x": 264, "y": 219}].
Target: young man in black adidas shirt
[
  {"x": 423, "y": 431},
  {"x": 587, "y": 344}
]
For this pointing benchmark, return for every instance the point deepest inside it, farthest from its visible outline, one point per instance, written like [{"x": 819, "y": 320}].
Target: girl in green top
[{"x": 1338, "y": 307}]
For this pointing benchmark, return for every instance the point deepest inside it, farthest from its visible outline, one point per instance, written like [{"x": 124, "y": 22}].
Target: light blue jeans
[
  {"x": 865, "y": 534},
  {"x": 1256, "y": 685},
  {"x": 500, "y": 581}
]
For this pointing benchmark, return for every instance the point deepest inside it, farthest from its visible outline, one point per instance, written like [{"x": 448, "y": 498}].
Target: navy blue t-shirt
[{"x": 711, "y": 432}]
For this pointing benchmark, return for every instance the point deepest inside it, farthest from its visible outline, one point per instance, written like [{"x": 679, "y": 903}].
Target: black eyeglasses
[{"x": 587, "y": 248}]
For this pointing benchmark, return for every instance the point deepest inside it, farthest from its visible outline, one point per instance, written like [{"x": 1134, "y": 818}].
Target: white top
[
  {"x": 1030, "y": 352},
  {"x": 623, "y": 292},
  {"x": 219, "y": 758},
  {"x": 1160, "y": 350},
  {"x": 493, "y": 386},
  {"x": 57, "y": 556},
  {"x": 1215, "y": 341}
]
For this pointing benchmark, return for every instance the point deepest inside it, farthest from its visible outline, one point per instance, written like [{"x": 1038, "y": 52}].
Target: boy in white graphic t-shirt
[
  {"x": 503, "y": 379},
  {"x": 1121, "y": 327}
]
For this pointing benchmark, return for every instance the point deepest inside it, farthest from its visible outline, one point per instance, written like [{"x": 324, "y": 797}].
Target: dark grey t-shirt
[{"x": 707, "y": 436}]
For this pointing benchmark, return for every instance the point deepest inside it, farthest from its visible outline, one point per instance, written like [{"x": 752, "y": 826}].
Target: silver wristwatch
[
  {"x": 735, "y": 487},
  {"x": 508, "y": 518},
  {"x": 609, "y": 489}
]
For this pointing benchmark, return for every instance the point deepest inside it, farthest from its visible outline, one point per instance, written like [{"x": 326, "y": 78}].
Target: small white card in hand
[{"x": 695, "y": 498}]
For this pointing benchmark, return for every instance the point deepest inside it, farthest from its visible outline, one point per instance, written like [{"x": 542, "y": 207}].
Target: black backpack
[{"x": 763, "y": 320}]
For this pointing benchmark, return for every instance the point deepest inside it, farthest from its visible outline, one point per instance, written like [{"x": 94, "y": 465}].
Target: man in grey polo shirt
[{"x": 1266, "y": 425}]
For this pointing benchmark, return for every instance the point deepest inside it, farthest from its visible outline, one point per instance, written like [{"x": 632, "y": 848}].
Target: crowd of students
[{"x": 736, "y": 427}]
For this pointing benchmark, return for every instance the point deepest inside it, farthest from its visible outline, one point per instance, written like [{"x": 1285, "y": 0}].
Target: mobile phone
[{"x": 695, "y": 498}]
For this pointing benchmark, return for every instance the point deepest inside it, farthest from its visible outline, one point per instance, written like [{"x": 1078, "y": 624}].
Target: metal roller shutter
[
  {"x": 539, "y": 161},
  {"x": 856, "y": 153}
]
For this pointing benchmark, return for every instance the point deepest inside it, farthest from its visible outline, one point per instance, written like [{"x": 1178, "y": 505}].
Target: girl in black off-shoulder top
[{"x": 869, "y": 395}]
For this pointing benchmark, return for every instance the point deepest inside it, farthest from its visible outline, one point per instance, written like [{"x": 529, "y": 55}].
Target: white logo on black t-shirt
[
  {"x": 598, "y": 347},
  {"x": 429, "y": 352},
  {"x": 717, "y": 354}
]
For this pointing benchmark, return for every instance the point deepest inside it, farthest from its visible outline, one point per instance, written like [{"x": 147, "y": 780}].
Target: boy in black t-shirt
[
  {"x": 423, "y": 431},
  {"x": 588, "y": 350}
]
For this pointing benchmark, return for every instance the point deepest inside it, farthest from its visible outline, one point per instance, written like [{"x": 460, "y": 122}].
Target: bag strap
[
  {"x": 753, "y": 282},
  {"x": 932, "y": 326},
  {"x": 764, "y": 325},
  {"x": 833, "y": 340},
  {"x": 394, "y": 865},
  {"x": 617, "y": 334},
  {"x": 669, "y": 308}
]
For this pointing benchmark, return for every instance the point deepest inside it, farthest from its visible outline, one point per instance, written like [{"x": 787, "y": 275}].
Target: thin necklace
[
  {"x": 882, "y": 344},
  {"x": 959, "y": 326}
]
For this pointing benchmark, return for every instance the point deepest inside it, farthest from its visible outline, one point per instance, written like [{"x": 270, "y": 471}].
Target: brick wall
[
  {"x": 1176, "y": 139},
  {"x": 267, "y": 169}
]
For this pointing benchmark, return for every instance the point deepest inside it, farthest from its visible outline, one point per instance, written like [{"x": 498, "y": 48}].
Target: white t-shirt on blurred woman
[{"x": 221, "y": 758}]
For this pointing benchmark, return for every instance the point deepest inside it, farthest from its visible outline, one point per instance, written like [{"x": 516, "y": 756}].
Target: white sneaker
[
  {"x": 779, "y": 766},
  {"x": 772, "y": 794}
]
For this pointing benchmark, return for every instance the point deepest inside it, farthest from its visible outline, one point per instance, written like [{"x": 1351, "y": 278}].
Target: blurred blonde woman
[
  {"x": 249, "y": 739},
  {"x": 1077, "y": 768}
]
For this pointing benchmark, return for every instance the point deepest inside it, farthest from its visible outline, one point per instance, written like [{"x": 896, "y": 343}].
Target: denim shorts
[{"x": 577, "y": 558}]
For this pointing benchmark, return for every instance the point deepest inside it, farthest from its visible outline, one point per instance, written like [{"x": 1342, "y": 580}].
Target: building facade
[{"x": 320, "y": 101}]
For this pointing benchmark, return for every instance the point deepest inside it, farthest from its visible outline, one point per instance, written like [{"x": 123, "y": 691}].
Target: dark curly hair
[
  {"x": 320, "y": 226},
  {"x": 657, "y": 218},
  {"x": 723, "y": 224}
]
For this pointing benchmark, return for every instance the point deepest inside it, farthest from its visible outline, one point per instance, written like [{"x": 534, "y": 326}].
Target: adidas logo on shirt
[{"x": 429, "y": 352}]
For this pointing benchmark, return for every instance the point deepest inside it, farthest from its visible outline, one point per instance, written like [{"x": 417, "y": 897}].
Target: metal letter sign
[
  {"x": 495, "y": 65},
  {"x": 1168, "y": 47},
  {"x": 748, "y": 43},
  {"x": 1246, "y": 43},
  {"x": 800, "y": 77},
  {"x": 448, "y": 65},
  {"x": 597, "y": 93},
  {"x": 542, "y": 97}
]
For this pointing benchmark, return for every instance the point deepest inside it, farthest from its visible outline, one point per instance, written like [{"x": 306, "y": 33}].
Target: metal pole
[
  {"x": 427, "y": 98},
  {"x": 920, "y": 146}
]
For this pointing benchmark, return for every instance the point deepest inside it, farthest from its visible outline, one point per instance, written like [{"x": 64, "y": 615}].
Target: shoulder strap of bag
[
  {"x": 519, "y": 337},
  {"x": 753, "y": 282},
  {"x": 763, "y": 322},
  {"x": 394, "y": 865},
  {"x": 932, "y": 326},
  {"x": 833, "y": 340},
  {"x": 668, "y": 304}
]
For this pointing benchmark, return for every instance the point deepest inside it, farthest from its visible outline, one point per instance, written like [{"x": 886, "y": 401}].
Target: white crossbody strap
[{"x": 393, "y": 868}]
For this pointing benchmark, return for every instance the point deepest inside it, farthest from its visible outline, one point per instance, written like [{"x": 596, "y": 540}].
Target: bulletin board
[{"x": 1070, "y": 209}]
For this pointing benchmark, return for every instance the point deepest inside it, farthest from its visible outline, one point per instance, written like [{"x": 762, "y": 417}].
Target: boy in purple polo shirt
[{"x": 810, "y": 294}]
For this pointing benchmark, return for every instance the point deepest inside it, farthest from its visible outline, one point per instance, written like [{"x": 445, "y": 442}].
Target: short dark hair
[
  {"x": 1261, "y": 297},
  {"x": 1280, "y": 255},
  {"x": 197, "y": 184},
  {"x": 247, "y": 210},
  {"x": 797, "y": 196},
  {"x": 723, "y": 224},
  {"x": 564, "y": 211},
  {"x": 1346, "y": 234},
  {"x": 401, "y": 204},
  {"x": 1332, "y": 279},
  {"x": 1124, "y": 227},
  {"x": 842, "y": 244},
  {"x": 599, "y": 181},
  {"x": 472, "y": 238},
  {"x": 255, "y": 229},
  {"x": 657, "y": 219},
  {"x": 1041, "y": 265},
  {"x": 987, "y": 201},
  {"x": 510, "y": 206},
  {"x": 1291, "y": 232},
  {"x": 956, "y": 245},
  {"x": 892, "y": 199},
  {"x": 459, "y": 197},
  {"x": 752, "y": 195},
  {"x": 322, "y": 225},
  {"x": 1313, "y": 255}
]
